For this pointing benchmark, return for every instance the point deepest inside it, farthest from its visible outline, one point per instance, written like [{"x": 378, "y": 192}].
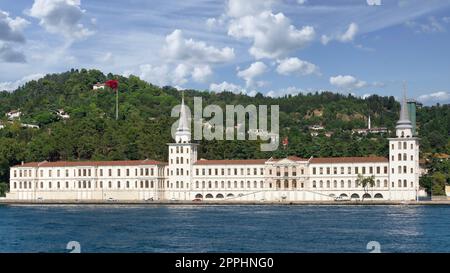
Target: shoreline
[{"x": 225, "y": 203}]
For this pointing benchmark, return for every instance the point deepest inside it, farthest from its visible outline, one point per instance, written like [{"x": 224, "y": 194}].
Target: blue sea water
[{"x": 171, "y": 228}]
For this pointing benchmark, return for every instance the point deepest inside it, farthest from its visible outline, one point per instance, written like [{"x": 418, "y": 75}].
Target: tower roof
[
  {"x": 183, "y": 124},
  {"x": 404, "y": 122}
]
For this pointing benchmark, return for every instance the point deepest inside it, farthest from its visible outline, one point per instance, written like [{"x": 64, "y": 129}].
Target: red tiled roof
[
  {"x": 368, "y": 159},
  {"x": 230, "y": 162},
  {"x": 91, "y": 163}
]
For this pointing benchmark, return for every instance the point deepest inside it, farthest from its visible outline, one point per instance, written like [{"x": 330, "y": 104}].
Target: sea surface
[{"x": 191, "y": 228}]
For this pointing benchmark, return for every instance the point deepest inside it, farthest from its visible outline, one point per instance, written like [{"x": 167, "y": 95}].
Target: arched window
[
  {"x": 286, "y": 184},
  {"x": 367, "y": 196},
  {"x": 404, "y": 157},
  {"x": 199, "y": 196},
  {"x": 354, "y": 196},
  {"x": 208, "y": 196},
  {"x": 378, "y": 196},
  {"x": 294, "y": 184},
  {"x": 399, "y": 157},
  {"x": 219, "y": 195}
]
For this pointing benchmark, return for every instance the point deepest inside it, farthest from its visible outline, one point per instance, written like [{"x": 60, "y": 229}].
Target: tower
[
  {"x": 182, "y": 156},
  {"x": 404, "y": 158}
]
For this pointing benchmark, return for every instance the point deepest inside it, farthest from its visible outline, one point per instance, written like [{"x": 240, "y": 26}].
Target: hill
[{"x": 143, "y": 128}]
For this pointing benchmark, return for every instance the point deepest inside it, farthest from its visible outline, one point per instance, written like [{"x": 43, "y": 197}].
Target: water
[{"x": 224, "y": 228}]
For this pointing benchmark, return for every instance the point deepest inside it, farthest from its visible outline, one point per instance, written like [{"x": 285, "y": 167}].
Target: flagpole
[{"x": 117, "y": 103}]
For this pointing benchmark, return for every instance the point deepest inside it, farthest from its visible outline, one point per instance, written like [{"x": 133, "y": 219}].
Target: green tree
[
  {"x": 4, "y": 188},
  {"x": 365, "y": 182}
]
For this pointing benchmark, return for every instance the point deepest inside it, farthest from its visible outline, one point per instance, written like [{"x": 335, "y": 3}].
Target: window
[
  {"x": 342, "y": 170},
  {"x": 314, "y": 170},
  {"x": 349, "y": 170},
  {"x": 109, "y": 172}
]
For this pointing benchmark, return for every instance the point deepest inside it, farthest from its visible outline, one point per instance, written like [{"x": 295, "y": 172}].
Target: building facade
[{"x": 185, "y": 177}]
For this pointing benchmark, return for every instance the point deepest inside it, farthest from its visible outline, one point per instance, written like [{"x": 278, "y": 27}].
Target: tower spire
[
  {"x": 183, "y": 131},
  {"x": 404, "y": 122}
]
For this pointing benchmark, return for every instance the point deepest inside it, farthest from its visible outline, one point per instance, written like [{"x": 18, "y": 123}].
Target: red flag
[{"x": 113, "y": 84}]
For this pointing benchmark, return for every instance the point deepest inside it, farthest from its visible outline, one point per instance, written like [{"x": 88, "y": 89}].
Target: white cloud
[
  {"x": 301, "y": 2},
  {"x": 10, "y": 86},
  {"x": 437, "y": 97},
  {"x": 212, "y": 23},
  {"x": 374, "y": 2},
  {"x": 273, "y": 35},
  {"x": 9, "y": 55},
  {"x": 347, "y": 82},
  {"x": 254, "y": 70},
  {"x": 201, "y": 73},
  {"x": 178, "y": 75},
  {"x": 294, "y": 65},
  {"x": 226, "y": 86},
  {"x": 158, "y": 75},
  {"x": 177, "y": 48},
  {"x": 283, "y": 92},
  {"x": 11, "y": 29},
  {"x": 240, "y": 8},
  {"x": 348, "y": 36},
  {"x": 432, "y": 25},
  {"x": 61, "y": 17}
]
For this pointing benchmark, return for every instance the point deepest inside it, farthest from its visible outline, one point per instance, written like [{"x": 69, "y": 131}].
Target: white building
[
  {"x": 98, "y": 86},
  {"x": 185, "y": 177},
  {"x": 62, "y": 114},
  {"x": 14, "y": 114}
]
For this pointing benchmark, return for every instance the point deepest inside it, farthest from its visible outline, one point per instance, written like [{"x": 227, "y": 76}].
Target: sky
[{"x": 275, "y": 47}]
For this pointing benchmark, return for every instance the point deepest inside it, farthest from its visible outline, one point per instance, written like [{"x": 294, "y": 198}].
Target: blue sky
[{"x": 275, "y": 47}]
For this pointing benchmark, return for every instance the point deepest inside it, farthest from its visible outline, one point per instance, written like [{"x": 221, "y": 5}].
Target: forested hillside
[{"x": 143, "y": 128}]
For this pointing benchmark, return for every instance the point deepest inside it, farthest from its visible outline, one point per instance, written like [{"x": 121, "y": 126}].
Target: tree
[
  {"x": 438, "y": 183},
  {"x": 365, "y": 182},
  {"x": 4, "y": 188}
]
